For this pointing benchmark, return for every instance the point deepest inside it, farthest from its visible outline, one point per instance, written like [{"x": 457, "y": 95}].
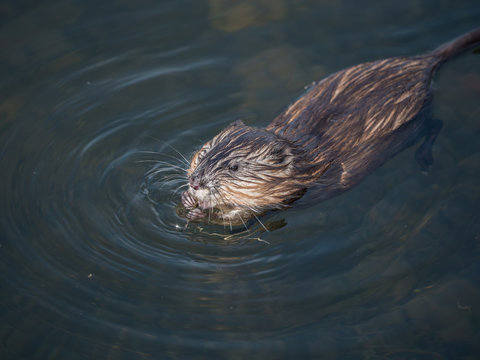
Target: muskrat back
[{"x": 327, "y": 141}]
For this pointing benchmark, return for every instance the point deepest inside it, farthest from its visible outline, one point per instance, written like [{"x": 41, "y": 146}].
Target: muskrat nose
[{"x": 194, "y": 183}]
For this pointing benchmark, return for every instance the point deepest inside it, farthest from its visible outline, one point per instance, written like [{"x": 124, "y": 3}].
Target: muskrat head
[{"x": 241, "y": 172}]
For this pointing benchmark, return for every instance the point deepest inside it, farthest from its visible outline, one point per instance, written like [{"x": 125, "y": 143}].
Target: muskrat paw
[
  {"x": 188, "y": 200},
  {"x": 195, "y": 214}
]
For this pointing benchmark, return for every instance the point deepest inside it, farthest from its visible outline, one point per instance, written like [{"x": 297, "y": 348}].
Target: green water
[{"x": 94, "y": 260}]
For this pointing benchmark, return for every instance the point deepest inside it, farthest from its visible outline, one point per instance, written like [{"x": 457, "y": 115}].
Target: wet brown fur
[{"x": 327, "y": 141}]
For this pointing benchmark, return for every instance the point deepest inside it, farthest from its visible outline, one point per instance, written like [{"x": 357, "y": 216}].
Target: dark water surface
[{"x": 93, "y": 260}]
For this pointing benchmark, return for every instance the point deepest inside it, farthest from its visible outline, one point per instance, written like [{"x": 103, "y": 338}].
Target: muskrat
[{"x": 344, "y": 127}]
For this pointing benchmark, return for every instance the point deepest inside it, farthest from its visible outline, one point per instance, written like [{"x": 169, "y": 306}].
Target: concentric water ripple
[
  {"x": 108, "y": 239},
  {"x": 104, "y": 223}
]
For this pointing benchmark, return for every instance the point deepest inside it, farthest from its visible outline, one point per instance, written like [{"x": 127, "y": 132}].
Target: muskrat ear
[
  {"x": 238, "y": 123},
  {"x": 279, "y": 153},
  {"x": 281, "y": 148},
  {"x": 235, "y": 126},
  {"x": 277, "y": 150}
]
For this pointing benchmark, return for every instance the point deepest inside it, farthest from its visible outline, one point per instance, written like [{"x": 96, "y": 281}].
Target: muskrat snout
[{"x": 195, "y": 182}]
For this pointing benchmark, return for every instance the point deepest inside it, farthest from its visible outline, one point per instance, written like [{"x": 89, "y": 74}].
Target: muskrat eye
[
  {"x": 233, "y": 167},
  {"x": 279, "y": 160},
  {"x": 277, "y": 155}
]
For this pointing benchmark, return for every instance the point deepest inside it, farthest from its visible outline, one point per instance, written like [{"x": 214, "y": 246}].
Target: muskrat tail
[{"x": 456, "y": 46}]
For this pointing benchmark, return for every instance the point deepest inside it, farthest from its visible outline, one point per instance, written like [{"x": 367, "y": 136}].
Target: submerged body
[{"x": 326, "y": 142}]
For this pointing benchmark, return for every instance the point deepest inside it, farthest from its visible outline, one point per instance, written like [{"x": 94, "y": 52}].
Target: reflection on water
[{"x": 96, "y": 263}]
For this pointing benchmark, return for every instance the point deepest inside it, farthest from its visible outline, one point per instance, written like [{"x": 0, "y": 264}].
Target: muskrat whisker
[
  {"x": 213, "y": 190},
  {"x": 182, "y": 185},
  {"x": 158, "y": 163},
  {"x": 168, "y": 180},
  {"x": 223, "y": 217},
  {"x": 168, "y": 167},
  {"x": 165, "y": 173},
  {"x": 178, "y": 188},
  {"x": 178, "y": 164},
  {"x": 179, "y": 153},
  {"x": 243, "y": 222},
  {"x": 214, "y": 193},
  {"x": 170, "y": 177},
  {"x": 159, "y": 172},
  {"x": 256, "y": 217},
  {"x": 179, "y": 160},
  {"x": 236, "y": 206},
  {"x": 225, "y": 201},
  {"x": 171, "y": 147},
  {"x": 147, "y": 161},
  {"x": 172, "y": 183},
  {"x": 148, "y": 152},
  {"x": 165, "y": 178}
]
